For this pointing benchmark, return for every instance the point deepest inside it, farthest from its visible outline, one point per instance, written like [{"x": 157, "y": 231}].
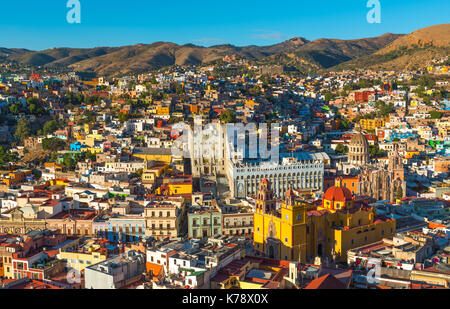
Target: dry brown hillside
[{"x": 437, "y": 36}]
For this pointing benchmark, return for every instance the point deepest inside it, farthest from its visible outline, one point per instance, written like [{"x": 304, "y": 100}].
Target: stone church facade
[{"x": 383, "y": 183}]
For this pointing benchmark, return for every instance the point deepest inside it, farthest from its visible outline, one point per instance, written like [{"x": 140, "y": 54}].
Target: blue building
[
  {"x": 75, "y": 147},
  {"x": 126, "y": 228}
]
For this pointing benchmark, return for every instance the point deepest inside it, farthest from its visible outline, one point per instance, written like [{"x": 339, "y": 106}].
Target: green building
[{"x": 204, "y": 223}]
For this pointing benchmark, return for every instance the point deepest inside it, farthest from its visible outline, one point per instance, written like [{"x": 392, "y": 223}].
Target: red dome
[{"x": 338, "y": 194}]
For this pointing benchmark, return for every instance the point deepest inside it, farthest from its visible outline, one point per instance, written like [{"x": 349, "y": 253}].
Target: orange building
[
  {"x": 16, "y": 177},
  {"x": 349, "y": 182}
]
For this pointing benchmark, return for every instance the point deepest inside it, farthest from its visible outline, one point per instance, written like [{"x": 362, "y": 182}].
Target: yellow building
[
  {"x": 59, "y": 182},
  {"x": 163, "y": 110},
  {"x": 327, "y": 231},
  {"x": 15, "y": 177},
  {"x": 150, "y": 174},
  {"x": 411, "y": 154},
  {"x": 154, "y": 154},
  {"x": 279, "y": 233},
  {"x": 371, "y": 124},
  {"x": 92, "y": 150},
  {"x": 81, "y": 260},
  {"x": 175, "y": 186}
]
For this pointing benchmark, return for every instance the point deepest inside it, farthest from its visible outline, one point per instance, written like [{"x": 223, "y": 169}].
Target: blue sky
[{"x": 42, "y": 24}]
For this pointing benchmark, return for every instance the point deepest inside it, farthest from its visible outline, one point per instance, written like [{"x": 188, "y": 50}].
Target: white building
[{"x": 303, "y": 172}]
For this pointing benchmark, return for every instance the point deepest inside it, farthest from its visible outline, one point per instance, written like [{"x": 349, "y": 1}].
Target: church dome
[
  {"x": 337, "y": 197},
  {"x": 338, "y": 194},
  {"x": 359, "y": 140},
  {"x": 359, "y": 150}
]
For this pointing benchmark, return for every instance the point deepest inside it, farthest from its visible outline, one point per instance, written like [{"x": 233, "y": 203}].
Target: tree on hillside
[
  {"x": 123, "y": 117},
  {"x": 53, "y": 144},
  {"x": 23, "y": 130},
  {"x": 14, "y": 109},
  {"x": 50, "y": 127},
  {"x": 228, "y": 117},
  {"x": 435, "y": 115}
]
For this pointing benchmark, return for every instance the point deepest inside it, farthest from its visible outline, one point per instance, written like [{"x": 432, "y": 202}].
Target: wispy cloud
[
  {"x": 209, "y": 41},
  {"x": 269, "y": 35}
]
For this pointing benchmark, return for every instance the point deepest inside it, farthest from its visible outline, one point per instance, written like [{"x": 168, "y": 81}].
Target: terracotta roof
[
  {"x": 327, "y": 282},
  {"x": 339, "y": 194}
]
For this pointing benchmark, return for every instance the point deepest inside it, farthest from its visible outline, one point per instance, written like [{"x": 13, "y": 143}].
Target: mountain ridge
[{"x": 299, "y": 53}]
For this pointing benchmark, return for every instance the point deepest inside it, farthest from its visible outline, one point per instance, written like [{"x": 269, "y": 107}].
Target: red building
[{"x": 363, "y": 96}]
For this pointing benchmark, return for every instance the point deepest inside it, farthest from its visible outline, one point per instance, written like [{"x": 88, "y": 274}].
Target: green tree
[
  {"x": 228, "y": 117},
  {"x": 399, "y": 194},
  {"x": 435, "y": 115},
  {"x": 53, "y": 144},
  {"x": 427, "y": 100},
  {"x": 69, "y": 162},
  {"x": 14, "y": 109},
  {"x": 50, "y": 127},
  {"x": 35, "y": 107},
  {"x": 341, "y": 149},
  {"x": 6, "y": 156},
  {"x": 123, "y": 117},
  {"x": 23, "y": 130},
  {"x": 329, "y": 96}
]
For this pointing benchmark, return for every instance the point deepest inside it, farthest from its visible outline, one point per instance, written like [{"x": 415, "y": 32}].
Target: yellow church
[{"x": 299, "y": 231}]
